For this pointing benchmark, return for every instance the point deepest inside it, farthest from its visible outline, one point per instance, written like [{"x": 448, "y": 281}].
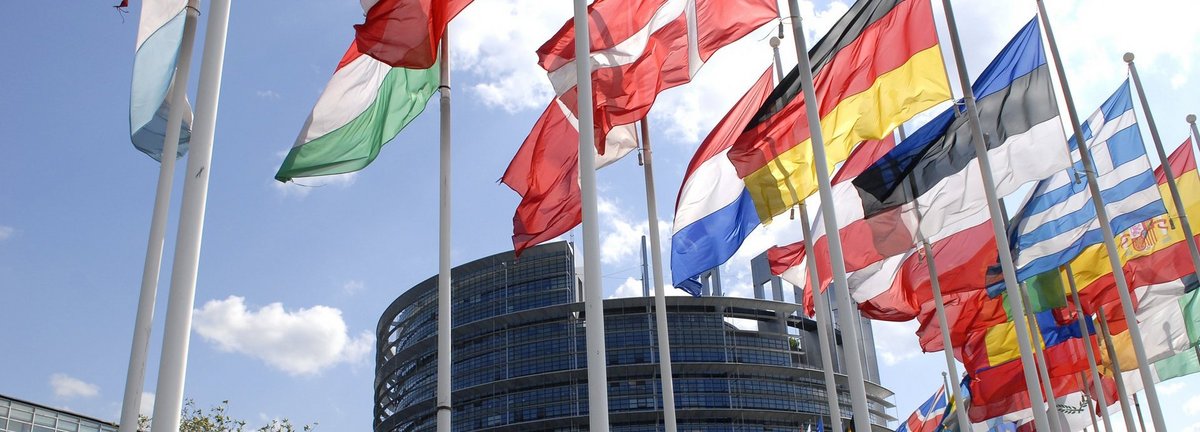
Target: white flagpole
[
  {"x": 846, "y": 312},
  {"x": 1166, "y": 166},
  {"x": 999, "y": 230},
  {"x": 1098, "y": 387},
  {"x": 444, "y": 331},
  {"x": 1114, "y": 255},
  {"x": 135, "y": 377},
  {"x": 660, "y": 297},
  {"x": 819, "y": 300},
  {"x": 593, "y": 285},
  {"x": 1039, "y": 354},
  {"x": 168, "y": 400},
  {"x": 1122, "y": 395}
]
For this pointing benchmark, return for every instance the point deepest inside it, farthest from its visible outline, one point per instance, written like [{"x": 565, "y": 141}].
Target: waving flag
[
  {"x": 639, "y": 49},
  {"x": 879, "y": 66},
  {"x": 1058, "y": 220},
  {"x": 365, "y": 105},
  {"x": 160, "y": 32},
  {"x": 405, "y": 33},
  {"x": 1154, "y": 255},
  {"x": 936, "y": 171},
  {"x": 714, "y": 213},
  {"x": 928, "y": 416}
]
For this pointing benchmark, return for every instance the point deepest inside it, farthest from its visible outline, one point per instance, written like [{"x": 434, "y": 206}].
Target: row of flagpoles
[{"x": 376, "y": 51}]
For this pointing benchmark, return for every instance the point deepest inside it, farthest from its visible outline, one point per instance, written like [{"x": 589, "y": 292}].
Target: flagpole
[
  {"x": 168, "y": 401},
  {"x": 1091, "y": 408},
  {"x": 1138, "y": 406},
  {"x": 135, "y": 377},
  {"x": 998, "y": 229},
  {"x": 660, "y": 297},
  {"x": 593, "y": 285},
  {"x": 444, "y": 331},
  {"x": 1166, "y": 166},
  {"x": 1039, "y": 355},
  {"x": 1191, "y": 119},
  {"x": 850, "y": 339},
  {"x": 1114, "y": 256},
  {"x": 1098, "y": 385},
  {"x": 1122, "y": 395},
  {"x": 819, "y": 301}
]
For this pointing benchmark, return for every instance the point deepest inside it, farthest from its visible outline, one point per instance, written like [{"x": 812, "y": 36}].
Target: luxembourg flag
[
  {"x": 160, "y": 34},
  {"x": 714, "y": 212}
]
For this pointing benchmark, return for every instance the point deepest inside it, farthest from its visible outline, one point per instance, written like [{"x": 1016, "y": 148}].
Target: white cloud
[
  {"x": 352, "y": 287},
  {"x": 147, "y": 406},
  {"x": 622, "y": 237},
  {"x": 631, "y": 287},
  {"x": 6, "y": 232},
  {"x": 68, "y": 387},
  {"x": 484, "y": 36},
  {"x": 1170, "y": 388},
  {"x": 267, "y": 94},
  {"x": 1192, "y": 406},
  {"x": 299, "y": 342},
  {"x": 895, "y": 342}
]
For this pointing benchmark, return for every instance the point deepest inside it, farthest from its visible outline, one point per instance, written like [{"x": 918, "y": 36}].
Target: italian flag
[{"x": 365, "y": 104}]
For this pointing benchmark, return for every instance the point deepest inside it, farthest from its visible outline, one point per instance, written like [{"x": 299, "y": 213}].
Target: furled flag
[
  {"x": 638, "y": 50},
  {"x": 405, "y": 33},
  {"x": 1058, "y": 219},
  {"x": 160, "y": 33},
  {"x": 934, "y": 173},
  {"x": 928, "y": 416},
  {"x": 1155, "y": 257},
  {"x": 382, "y": 83},
  {"x": 877, "y": 67},
  {"x": 713, "y": 212}
]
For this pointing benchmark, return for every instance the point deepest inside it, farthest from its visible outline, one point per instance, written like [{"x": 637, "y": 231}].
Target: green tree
[{"x": 217, "y": 419}]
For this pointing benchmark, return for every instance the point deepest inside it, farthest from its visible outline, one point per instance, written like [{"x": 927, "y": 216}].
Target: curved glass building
[{"x": 520, "y": 365}]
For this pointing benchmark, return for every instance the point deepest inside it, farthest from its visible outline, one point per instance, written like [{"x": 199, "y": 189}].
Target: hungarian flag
[
  {"x": 878, "y": 67},
  {"x": 639, "y": 49},
  {"x": 405, "y": 33}
]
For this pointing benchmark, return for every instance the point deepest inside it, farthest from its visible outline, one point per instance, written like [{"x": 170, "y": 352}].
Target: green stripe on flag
[
  {"x": 402, "y": 97},
  {"x": 1190, "y": 303},
  {"x": 1184, "y": 363}
]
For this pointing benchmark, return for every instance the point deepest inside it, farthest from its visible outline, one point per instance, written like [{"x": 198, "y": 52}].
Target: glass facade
[
  {"x": 20, "y": 416},
  {"x": 519, "y": 357}
]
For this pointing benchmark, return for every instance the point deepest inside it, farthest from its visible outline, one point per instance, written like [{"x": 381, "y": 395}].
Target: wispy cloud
[
  {"x": 68, "y": 387},
  {"x": 352, "y": 287},
  {"x": 6, "y": 232},
  {"x": 299, "y": 342},
  {"x": 267, "y": 94}
]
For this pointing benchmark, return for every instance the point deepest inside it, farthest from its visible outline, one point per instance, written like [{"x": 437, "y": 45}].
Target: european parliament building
[{"x": 740, "y": 364}]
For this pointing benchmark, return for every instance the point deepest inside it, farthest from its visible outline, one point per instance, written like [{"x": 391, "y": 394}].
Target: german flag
[{"x": 878, "y": 67}]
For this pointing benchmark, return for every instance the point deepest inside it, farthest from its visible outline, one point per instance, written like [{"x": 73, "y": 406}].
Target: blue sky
[{"x": 317, "y": 265}]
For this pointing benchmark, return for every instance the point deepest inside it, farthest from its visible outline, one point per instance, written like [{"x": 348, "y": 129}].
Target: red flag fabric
[
  {"x": 405, "y": 33},
  {"x": 639, "y": 49},
  {"x": 1001, "y": 390}
]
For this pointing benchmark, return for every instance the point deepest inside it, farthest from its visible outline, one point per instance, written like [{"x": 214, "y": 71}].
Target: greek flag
[{"x": 1058, "y": 220}]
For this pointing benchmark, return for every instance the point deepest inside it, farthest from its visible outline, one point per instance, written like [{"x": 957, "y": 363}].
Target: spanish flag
[
  {"x": 1152, "y": 252},
  {"x": 879, "y": 66}
]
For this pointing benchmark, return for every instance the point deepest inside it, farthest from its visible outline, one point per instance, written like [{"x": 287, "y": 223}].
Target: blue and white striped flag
[
  {"x": 1058, "y": 220},
  {"x": 160, "y": 34}
]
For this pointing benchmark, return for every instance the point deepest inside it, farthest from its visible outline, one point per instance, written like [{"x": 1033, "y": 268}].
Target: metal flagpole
[
  {"x": 1091, "y": 408},
  {"x": 168, "y": 401},
  {"x": 1114, "y": 256},
  {"x": 819, "y": 301},
  {"x": 1039, "y": 354},
  {"x": 660, "y": 296},
  {"x": 1098, "y": 385},
  {"x": 1191, "y": 119},
  {"x": 998, "y": 229},
  {"x": 1122, "y": 395},
  {"x": 645, "y": 270},
  {"x": 593, "y": 285},
  {"x": 444, "y": 331},
  {"x": 846, "y": 316},
  {"x": 1138, "y": 406},
  {"x": 135, "y": 377},
  {"x": 1166, "y": 166}
]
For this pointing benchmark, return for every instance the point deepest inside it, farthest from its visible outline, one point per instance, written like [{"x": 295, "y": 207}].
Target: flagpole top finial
[
  {"x": 1128, "y": 57},
  {"x": 774, "y": 42},
  {"x": 1191, "y": 118}
]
